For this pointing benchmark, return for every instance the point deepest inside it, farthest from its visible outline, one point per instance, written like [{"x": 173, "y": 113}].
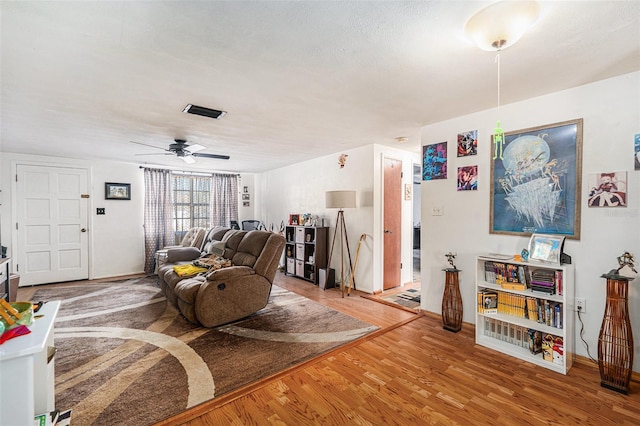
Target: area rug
[
  {"x": 409, "y": 298},
  {"x": 127, "y": 356}
]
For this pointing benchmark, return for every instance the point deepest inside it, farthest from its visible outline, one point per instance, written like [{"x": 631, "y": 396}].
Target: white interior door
[{"x": 51, "y": 224}]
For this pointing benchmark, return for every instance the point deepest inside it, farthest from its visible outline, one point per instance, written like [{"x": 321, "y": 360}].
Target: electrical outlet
[
  {"x": 581, "y": 305},
  {"x": 437, "y": 211}
]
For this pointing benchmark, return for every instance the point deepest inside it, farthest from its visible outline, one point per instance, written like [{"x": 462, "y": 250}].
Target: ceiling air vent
[{"x": 205, "y": 112}]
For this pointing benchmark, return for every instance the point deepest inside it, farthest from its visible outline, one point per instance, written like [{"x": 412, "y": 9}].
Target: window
[{"x": 191, "y": 203}]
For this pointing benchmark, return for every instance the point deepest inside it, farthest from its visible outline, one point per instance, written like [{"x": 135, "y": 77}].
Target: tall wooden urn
[
  {"x": 615, "y": 342},
  {"x": 451, "y": 301}
]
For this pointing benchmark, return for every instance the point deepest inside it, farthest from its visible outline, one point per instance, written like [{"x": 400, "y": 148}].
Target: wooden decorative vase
[
  {"x": 451, "y": 302},
  {"x": 615, "y": 342}
]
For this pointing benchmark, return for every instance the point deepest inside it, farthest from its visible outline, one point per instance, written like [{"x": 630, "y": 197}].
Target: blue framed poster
[
  {"x": 536, "y": 181},
  {"x": 434, "y": 161}
]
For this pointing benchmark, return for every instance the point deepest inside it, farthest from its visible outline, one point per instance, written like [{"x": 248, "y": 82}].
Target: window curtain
[
  {"x": 224, "y": 199},
  {"x": 158, "y": 209}
]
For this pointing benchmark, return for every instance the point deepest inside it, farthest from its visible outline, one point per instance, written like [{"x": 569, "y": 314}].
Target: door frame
[{"x": 14, "y": 207}]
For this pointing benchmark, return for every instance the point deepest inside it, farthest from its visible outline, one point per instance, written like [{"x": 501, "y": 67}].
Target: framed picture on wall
[
  {"x": 434, "y": 161},
  {"x": 607, "y": 189},
  {"x": 536, "y": 181},
  {"x": 117, "y": 191}
]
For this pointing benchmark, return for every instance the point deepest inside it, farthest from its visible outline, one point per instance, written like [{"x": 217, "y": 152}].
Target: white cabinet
[
  {"x": 524, "y": 315},
  {"x": 27, "y": 380}
]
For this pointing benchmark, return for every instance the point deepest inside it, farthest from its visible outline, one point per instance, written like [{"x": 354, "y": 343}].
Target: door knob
[
  {"x": 386, "y": 231},
  {"x": 83, "y": 230}
]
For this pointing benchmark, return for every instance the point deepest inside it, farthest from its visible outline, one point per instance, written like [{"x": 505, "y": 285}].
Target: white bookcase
[
  {"x": 514, "y": 342},
  {"x": 27, "y": 378}
]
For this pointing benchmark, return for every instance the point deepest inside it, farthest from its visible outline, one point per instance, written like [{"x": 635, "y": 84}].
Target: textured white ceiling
[{"x": 299, "y": 79}]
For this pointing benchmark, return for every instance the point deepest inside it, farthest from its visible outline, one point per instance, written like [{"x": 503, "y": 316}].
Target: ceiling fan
[{"x": 181, "y": 149}]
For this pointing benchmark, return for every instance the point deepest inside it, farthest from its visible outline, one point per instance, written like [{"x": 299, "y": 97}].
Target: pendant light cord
[{"x": 497, "y": 60}]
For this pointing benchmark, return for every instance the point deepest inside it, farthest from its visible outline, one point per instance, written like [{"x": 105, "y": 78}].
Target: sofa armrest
[
  {"x": 230, "y": 273},
  {"x": 180, "y": 254},
  {"x": 238, "y": 294}
]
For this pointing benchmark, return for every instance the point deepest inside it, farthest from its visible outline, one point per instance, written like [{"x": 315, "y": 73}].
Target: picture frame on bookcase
[{"x": 546, "y": 248}]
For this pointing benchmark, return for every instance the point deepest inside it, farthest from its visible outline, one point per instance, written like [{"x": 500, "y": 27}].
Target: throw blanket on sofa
[
  {"x": 188, "y": 270},
  {"x": 212, "y": 262}
]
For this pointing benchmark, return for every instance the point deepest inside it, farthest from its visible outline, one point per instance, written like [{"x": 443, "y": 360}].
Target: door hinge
[
  {"x": 16, "y": 177},
  {"x": 400, "y": 265},
  {"x": 401, "y": 174},
  {"x": 84, "y": 195},
  {"x": 17, "y": 267},
  {"x": 16, "y": 226}
]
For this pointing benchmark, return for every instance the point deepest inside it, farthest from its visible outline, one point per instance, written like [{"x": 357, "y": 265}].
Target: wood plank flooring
[
  {"x": 417, "y": 373},
  {"x": 413, "y": 372}
]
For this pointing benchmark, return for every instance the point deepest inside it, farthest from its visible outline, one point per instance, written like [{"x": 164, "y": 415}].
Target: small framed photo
[
  {"x": 546, "y": 248},
  {"x": 245, "y": 197},
  {"x": 246, "y": 204},
  {"x": 117, "y": 191}
]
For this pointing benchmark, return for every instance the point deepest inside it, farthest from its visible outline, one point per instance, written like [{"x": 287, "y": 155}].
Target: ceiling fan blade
[
  {"x": 156, "y": 153},
  {"x": 146, "y": 144},
  {"x": 218, "y": 156},
  {"x": 195, "y": 148},
  {"x": 188, "y": 159}
]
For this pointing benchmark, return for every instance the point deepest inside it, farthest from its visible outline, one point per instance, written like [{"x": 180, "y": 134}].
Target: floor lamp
[{"x": 341, "y": 200}]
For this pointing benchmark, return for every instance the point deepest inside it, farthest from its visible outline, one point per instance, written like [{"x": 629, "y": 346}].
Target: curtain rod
[{"x": 187, "y": 172}]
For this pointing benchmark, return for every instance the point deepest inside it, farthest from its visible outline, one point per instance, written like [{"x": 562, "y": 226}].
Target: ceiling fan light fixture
[
  {"x": 203, "y": 111},
  {"x": 501, "y": 24}
]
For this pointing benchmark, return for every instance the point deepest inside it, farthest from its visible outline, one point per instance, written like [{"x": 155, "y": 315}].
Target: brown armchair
[{"x": 232, "y": 293}]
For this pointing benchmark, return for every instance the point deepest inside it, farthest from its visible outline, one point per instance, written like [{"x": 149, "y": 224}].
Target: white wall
[
  {"x": 611, "y": 113},
  {"x": 116, "y": 240},
  {"x": 301, "y": 188}
]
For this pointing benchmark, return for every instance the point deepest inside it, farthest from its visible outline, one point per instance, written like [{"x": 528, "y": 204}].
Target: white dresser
[{"x": 27, "y": 380}]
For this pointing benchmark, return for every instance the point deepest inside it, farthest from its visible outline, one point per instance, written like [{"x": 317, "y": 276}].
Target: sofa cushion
[
  {"x": 187, "y": 289},
  {"x": 213, "y": 234},
  {"x": 250, "y": 248},
  {"x": 193, "y": 237},
  {"x": 232, "y": 239},
  {"x": 182, "y": 254},
  {"x": 215, "y": 247}
]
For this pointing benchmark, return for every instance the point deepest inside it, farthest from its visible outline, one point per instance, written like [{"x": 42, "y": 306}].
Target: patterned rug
[
  {"x": 409, "y": 298},
  {"x": 126, "y": 356}
]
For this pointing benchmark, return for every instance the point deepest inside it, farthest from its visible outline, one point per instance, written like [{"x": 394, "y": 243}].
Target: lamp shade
[
  {"x": 341, "y": 199},
  {"x": 501, "y": 24}
]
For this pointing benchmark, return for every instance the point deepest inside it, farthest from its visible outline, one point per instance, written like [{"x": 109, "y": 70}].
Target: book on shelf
[
  {"x": 535, "y": 341},
  {"x": 543, "y": 280},
  {"x": 501, "y": 272},
  {"x": 558, "y": 280},
  {"x": 509, "y": 276},
  {"x": 523, "y": 275},
  {"x": 489, "y": 272},
  {"x": 488, "y": 302}
]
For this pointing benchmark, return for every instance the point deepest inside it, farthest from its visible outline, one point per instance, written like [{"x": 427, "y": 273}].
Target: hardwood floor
[{"x": 413, "y": 372}]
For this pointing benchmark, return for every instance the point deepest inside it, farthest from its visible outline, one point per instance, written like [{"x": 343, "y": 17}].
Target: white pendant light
[
  {"x": 501, "y": 24},
  {"x": 495, "y": 28}
]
